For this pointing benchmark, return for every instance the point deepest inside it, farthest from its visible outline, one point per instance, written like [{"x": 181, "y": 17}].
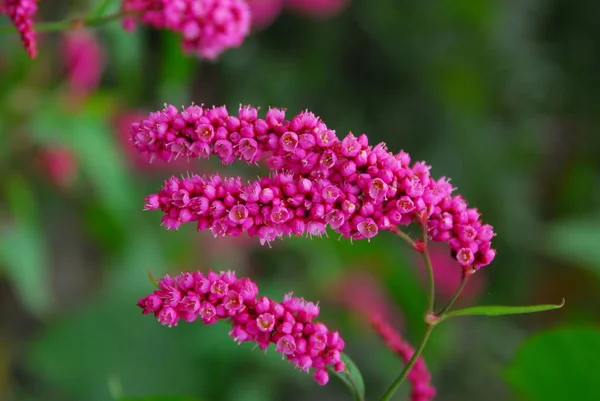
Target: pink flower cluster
[
  {"x": 21, "y": 13},
  {"x": 419, "y": 376},
  {"x": 317, "y": 180},
  {"x": 208, "y": 27},
  {"x": 288, "y": 324}
]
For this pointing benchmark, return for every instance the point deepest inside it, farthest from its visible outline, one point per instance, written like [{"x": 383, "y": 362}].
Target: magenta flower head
[
  {"x": 83, "y": 59},
  {"x": 289, "y": 324},
  {"x": 207, "y": 27},
  {"x": 21, "y": 13},
  {"x": 317, "y": 180}
]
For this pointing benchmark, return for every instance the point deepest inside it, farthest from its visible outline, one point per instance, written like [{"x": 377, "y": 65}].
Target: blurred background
[{"x": 502, "y": 96}]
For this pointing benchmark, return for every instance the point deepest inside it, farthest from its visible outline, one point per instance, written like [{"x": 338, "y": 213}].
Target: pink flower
[
  {"x": 83, "y": 58},
  {"x": 207, "y": 27},
  {"x": 317, "y": 8},
  {"x": 21, "y": 13},
  {"x": 264, "y": 12},
  {"x": 311, "y": 185},
  {"x": 60, "y": 165},
  {"x": 363, "y": 293},
  {"x": 289, "y": 324}
]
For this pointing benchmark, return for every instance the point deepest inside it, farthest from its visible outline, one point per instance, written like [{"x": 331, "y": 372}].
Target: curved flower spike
[
  {"x": 288, "y": 324},
  {"x": 21, "y": 13},
  {"x": 318, "y": 180}
]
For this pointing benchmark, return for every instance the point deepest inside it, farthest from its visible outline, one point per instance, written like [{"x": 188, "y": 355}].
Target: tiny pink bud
[
  {"x": 321, "y": 377},
  {"x": 286, "y": 345},
  {"x": 367, "y": 228},
  {"x": 265, "y": 322},
  {"x": 465, "y": 256}
]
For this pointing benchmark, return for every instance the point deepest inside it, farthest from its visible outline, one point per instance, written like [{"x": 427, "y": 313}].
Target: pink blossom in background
[
  {"x": 289, "y": 324},
  {"x": 21, "y": 13},
  {"x": 83, "y": 59},
  {"x": 317, "y": 181},
  {"x": 363, "y": 293},
  {"x": 317, "y": 8},
  {"x": 59, "y": 164},
  {"x": 207, "y": 27},
  {"x": 264, "y": 12},
  {"x": 448, "y": 275}
]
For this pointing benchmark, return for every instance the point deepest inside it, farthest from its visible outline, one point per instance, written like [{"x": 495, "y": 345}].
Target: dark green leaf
[
  {"x": 352, "y": 378},
  {"x": 22, "y": 248},
  {"x": 558, "y": 365}
]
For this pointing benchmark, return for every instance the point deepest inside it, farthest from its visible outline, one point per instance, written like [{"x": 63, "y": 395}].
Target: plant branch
[
  {"x": 73, "y": 23},
  {"x": 429, "y": 267},
  {"x": 461, "y": 286},
  {"x": 404, "y": 236}
]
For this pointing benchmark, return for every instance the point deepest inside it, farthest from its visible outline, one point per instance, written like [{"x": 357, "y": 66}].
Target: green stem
[
  {"x": 456, "y": 294},
  {"x": 429, "y": 267},
  {"x": 404, "y": 236},
  {"x": 396, "y": 384},
  {"x": 72, "y": 23}
]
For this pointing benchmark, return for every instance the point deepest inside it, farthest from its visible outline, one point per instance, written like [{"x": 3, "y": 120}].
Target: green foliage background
[{"x": 502, "y": 96}]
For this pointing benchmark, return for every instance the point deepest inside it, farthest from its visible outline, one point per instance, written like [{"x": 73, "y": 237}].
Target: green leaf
[
  {"x": 556, "y": 365},
  {"x": 100, "y": 9},
  {"x": 576, "y": 241},
  {"x": 88, "y": 135},
  {"x": 22, "y": 247},
  {"x": 352, "y": 378},
  {"x": 496, "y": 310}
]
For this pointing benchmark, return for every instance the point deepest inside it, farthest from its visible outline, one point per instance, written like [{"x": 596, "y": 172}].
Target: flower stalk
[
  {"x": 431, "y": 318},
  {"x": 89, "y": 21}
]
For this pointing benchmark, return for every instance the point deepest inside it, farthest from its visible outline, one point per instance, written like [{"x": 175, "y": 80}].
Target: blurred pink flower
[
  {"x": 363, "y": 293},
  {"x": 264, "y": 12},
  {"x": 59, "y": 164},
  {"x": 317, "y": 8},
  {"x": 83, "y": 59},
  {"x": 447, "y": 273}
]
